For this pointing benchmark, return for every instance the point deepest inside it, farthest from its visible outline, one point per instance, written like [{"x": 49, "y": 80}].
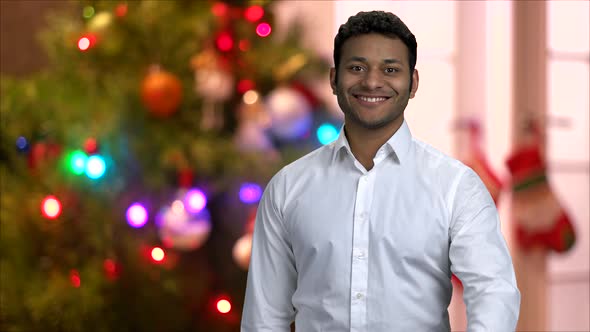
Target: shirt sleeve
[
  {"x": 272, "y": 276},
  {"x": 480, "y": 259}
]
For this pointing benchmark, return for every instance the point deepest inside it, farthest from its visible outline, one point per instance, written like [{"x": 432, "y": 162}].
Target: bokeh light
[
  {"x": 254, "y": 13},
  {"x": 263, "y": 29},
  {"x": 223, "y": 306},
  {"x": 77, "y": 162},
  {"x": 51, "y": 207},
  {"x": 250, "y": 193},
  {"x": 137, "y": 215},
  {"x": 219, "y": 9},
  {"x": 250, "y": 97},
  {"x": 158, "y": 254},
  {"x": 195, "y": 200},
  {"x": 95, "y": 167},
  {"x": 327, "y": 133},
  {"x": 225, "y": 42},
  {"x": 88, "y": 12},
  {"x": 75, "y": 278},
  {"x": 22, "y": 144}
]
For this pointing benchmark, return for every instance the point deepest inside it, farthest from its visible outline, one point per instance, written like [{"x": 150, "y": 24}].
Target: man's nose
[{"x": 373, "y": 79}]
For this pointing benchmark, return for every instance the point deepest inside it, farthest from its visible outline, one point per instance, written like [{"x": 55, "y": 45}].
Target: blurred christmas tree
[{"x": 132, "y": 167}]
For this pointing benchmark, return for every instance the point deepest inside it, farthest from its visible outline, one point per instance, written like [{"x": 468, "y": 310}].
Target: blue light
[
  {"x": 250, "y": 193},
  {"x": 95, "y": 167},
  {"x": 327, "y": 133},
  {"x": 22, "y": 144}
]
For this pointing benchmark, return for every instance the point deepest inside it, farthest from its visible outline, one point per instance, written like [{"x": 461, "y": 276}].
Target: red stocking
[
  {"x": 541, "y": 221},
  {"x": 477, "y": 161}
]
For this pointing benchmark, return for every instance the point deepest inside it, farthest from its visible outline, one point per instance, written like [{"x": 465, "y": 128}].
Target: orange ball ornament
[{"x": 161, "y": 93}]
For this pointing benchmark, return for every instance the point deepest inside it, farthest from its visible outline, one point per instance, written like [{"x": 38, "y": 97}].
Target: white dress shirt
[{"x": 340, "y": 248}]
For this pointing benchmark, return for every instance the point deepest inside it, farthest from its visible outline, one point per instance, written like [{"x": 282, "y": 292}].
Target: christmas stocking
[
  {"x": 541, "y": 221},
  {"x": 478, "y": 162}
]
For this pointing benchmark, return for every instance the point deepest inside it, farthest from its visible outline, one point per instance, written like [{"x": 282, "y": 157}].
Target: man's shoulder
[
  {"x": 319, "y": 157},
  {"x": 432, "y": 157}
]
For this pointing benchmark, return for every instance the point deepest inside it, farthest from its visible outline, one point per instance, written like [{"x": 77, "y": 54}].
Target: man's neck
[{"x": 364, "y": 143}]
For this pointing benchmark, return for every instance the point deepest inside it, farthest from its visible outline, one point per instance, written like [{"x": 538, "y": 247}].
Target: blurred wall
[{"x": 20, "y": 52}]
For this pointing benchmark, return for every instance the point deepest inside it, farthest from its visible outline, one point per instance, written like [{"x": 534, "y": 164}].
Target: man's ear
[
  {"x": 415, "y": 81},
  {"x": 333, "y": 79}
]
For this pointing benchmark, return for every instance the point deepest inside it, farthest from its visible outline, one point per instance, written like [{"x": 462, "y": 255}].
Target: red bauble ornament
[
  {"x": 90, "y": 146},
  {"x": 161, "y": 93}
]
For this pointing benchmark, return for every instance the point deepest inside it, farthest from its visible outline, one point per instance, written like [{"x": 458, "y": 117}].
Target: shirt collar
[{"x": 399, "y": 143}]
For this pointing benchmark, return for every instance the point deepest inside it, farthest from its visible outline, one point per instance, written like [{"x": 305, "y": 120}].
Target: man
[{"x": 364, "y": 234}]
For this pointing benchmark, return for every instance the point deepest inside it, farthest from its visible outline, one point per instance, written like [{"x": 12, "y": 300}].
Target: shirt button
[
  {"x": 364, "y": 215},
  {"x": 359, "y": 295},
  {"x": 361, "y": 255}
]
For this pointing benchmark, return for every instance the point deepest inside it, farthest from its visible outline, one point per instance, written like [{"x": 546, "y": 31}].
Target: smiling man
[{"x": 364, "y": 234}]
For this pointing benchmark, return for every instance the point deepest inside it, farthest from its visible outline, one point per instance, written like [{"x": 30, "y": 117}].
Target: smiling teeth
[{"x": 372, "y": 99}]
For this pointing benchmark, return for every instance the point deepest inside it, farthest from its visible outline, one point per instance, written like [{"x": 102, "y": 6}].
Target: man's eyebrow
[
  {"x": 390, "y": 61},
  {"x": 363, "y": 59}
]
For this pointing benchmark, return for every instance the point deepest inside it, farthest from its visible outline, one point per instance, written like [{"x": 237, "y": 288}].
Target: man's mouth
[{"x": 368, "y": 99}]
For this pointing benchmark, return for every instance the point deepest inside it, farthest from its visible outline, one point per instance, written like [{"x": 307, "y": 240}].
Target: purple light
[
  {"x": 195, "y": 201},
  {"x": 136, "y": 215},
  {"x": 250, "y": 193}
]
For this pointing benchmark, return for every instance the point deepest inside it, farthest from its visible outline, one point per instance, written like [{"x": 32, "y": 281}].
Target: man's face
[{"x": 373, "y": 85}]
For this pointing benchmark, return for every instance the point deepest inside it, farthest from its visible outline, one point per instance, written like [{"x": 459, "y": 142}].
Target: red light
[
  {"x": 83, "y": 44},
  {"x": 219, "y": 9},
  {"x": 245, "y": 85},
  {"x": 244, "y": 45},
  {"x": 158, "y": 254},
  {"x": 75, "y": 278},
  {"x": 50, "y": 207},
  {"x": 225, "y": 42},
  {"x": 254, "y": 13},
  {"x": 263, "y": 29},
  {"x": 86, "y": 42},
  {"x": 223, "y": 306},
  {"x": 121, "y": 10}
]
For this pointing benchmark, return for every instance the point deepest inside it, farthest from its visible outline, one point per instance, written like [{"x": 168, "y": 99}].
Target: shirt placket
[{"x": 360, "y": 253}]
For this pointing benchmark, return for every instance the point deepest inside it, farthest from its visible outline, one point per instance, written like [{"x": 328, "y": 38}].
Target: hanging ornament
[
  {"x": 475, "y": 158},
  {"x": 215, "y": 84},
  {"x": 243, "y": 247},
  {"x": 161, "y": 92},
  {"x": 290, "y": 113},
  {"x": 242, "y": 250},
  {"x": 179, "y": 226},
  {"x": 541, "y": 219},
  {"x": 253, "y": 122}
]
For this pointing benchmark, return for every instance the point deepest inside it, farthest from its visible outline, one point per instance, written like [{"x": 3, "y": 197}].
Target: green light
[
  {"x": 88, "y": 12},
  {"x": 78, "y": 162}
]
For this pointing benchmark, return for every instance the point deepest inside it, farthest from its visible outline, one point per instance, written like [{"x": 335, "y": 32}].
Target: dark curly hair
[{"x": 380, "y": 22}]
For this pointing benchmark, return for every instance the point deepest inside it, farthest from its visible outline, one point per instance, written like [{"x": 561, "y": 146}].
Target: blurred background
[{"x": 137, "y": 138}]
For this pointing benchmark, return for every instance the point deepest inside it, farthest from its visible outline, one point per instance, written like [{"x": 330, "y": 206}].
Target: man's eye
[
  {"x": 356, "y": 68},
  {"x": 390, "y": 70}
]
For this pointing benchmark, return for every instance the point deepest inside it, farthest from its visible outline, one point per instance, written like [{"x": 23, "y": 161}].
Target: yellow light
[
  {"x": 250, "y": 97},
  {"x": 158, "y": 254},
  {"x": 223, "y": 306}
]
